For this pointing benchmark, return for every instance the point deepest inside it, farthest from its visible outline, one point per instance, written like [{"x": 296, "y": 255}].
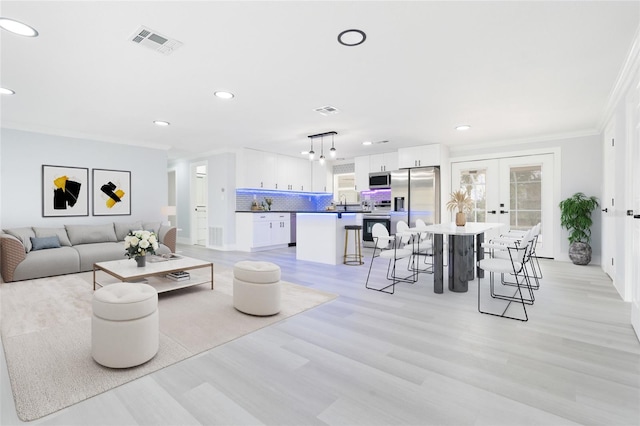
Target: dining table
[{"x": 461, "y": 266}]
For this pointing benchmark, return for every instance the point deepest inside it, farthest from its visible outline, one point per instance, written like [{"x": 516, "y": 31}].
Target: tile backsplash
[{"x": 283, "y": 200}]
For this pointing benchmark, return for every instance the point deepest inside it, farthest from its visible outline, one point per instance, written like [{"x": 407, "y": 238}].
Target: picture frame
[
  {"x": 111, "y": 192},
  {"x": 65, "y": 191}
]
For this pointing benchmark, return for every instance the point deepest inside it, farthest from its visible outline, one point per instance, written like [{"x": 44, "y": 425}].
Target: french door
[{"x": 515, "y": 191}]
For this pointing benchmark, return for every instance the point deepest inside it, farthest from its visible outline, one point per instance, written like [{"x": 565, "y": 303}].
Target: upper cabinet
[
  {"x": 383, "y": 162},
  {"x": 256, "y": 169},
  {"x": 361, "y": 165},
  {"x": 419, "y": 156},
  {"x": 265, "y": 170},
  {"x": 293, "y": 174}
]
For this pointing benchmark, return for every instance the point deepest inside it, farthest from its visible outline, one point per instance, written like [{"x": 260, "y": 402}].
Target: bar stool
[{"x": 353, "y": 258}]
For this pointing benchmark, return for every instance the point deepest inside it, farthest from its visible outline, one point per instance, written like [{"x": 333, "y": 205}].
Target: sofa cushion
[
  {"x": 61, "y": 233},
  {"x": 87, "y": 234},
  {"x": 47, "y": 263},
  {"x": 41, "y": 243},
  {"x": 24, "y": 235},
  {"x": 99, "y": 252},
  {"x": 151, "y": 226},
  {"x": 122, "y": 229}
]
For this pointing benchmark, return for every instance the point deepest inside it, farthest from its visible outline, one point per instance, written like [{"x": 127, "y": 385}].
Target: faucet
[{"x": 343, "y": 201}]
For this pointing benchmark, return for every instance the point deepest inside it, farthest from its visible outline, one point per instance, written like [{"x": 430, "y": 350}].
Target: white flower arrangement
[{"x": 140, "y": 243}]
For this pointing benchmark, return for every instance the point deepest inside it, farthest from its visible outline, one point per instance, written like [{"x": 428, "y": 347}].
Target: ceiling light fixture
[
  {"x": 366, "y": 143},
  {"x": 224, "y": 95},
  {"x": 5, "y": 91},
  {"x": 332, "y": 151},
  {"x": 161, "y": 123},
  {"x": 463, "y": 127},
  {"x": 321, "y": 136},
  {"x": 321, "y": 150},
  {"x": 351, "y": 37},
  {"x": 17, "y": 27}
]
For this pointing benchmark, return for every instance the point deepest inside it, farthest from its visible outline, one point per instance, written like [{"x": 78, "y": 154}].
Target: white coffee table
[{"x": 154, "y": 273}]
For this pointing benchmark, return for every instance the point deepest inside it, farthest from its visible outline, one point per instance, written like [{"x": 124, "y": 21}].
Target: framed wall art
[
  {"x": 111, "y": 192},
  {"x": 65, "y": 191}
]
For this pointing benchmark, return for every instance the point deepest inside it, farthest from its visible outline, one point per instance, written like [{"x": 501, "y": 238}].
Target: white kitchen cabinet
[
  {"x": 257, "y": 169},
  {"x": 383, "y": 162},
  {"x": 322, "y": 178},
  {"x": 361, "y": 165},
  {"x": 419, "y": 156},
  {"x": 262, "y": 231},
  {"x": 293, "y": 174}
]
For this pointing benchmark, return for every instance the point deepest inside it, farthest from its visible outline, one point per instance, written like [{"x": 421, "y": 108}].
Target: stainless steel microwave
[{"x": 380, "y": 180}]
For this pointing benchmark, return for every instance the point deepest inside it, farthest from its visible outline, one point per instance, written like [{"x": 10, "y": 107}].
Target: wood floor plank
[{"x": 414, "y": 357}]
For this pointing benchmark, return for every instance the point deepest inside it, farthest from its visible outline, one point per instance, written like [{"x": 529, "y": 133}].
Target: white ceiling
[{"x": 513, "y": 70}]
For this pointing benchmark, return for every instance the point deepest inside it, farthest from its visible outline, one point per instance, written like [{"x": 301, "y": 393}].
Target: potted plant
[
  {"x": 575, "y": 217},
  {"x": 462, "y": 201}
]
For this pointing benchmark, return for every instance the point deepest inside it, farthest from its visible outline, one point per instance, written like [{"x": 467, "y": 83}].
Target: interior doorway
[{"x": 199, "y": 204}]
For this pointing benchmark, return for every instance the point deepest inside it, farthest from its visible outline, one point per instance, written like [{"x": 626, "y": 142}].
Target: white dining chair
[
  {"x": 512, "y": 264},
  {"x": 389, "y": 247}
]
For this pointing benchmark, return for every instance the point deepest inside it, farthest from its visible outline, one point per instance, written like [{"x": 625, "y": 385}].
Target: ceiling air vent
[
  {"x": 149, "y": 38},
  {"x": 327, "y": 110}
]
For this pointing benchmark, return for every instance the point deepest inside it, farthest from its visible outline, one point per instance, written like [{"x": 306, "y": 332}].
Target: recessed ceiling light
[
  {"x": 351, "y": 37},
  {"x": 224, "y": 95},
  {"x": 5, "y": 91},
  {"x": 17, "y": 27},
  {"x": 366, "y": 143},
  {"x": 161, "y": 123},
  {"x": 463, "y": 127}
]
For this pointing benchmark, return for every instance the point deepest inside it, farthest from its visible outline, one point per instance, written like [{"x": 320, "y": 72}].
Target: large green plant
[{"x": 575, "y": 217}]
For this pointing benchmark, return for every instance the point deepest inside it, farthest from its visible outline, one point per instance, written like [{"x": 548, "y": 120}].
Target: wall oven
[{"x": 367, "y": 226}]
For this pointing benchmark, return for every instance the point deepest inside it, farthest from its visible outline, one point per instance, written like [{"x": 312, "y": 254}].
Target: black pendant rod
[{"x": 319, "y": 135}]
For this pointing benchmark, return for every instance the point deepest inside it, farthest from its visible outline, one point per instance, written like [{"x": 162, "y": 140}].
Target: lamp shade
[{"x": 168, "y": 210}]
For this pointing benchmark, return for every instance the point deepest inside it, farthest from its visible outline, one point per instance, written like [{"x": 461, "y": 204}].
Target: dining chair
[
  {"x": 389, "y": 247},
  {"x": 530, "y": 262},
  {"x": 513, "y": 264},
  {"x": 424, "y": 246}
]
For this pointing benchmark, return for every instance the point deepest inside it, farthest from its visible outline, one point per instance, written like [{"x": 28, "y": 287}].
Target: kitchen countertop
[{"x": 303, "y": 211}]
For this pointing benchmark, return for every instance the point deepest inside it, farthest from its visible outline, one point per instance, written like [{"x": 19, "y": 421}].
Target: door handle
[
  {"x": 503, "y": 211},
  {"x": 491, "y": 212},
  {"x": 605, "y": 210},
  {"x": 636, "y": 216}
]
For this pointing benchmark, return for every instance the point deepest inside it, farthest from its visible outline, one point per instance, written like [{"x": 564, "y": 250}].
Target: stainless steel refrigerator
[{"x": 415, "y": 194}]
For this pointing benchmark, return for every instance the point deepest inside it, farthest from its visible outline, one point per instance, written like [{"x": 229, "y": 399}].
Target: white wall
[
  {"x": 581, "y": 170},
  {"x": 22, "y": 155}
]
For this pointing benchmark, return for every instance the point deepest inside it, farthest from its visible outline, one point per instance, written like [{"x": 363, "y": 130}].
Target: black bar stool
[{"x": 353, "y": 258}]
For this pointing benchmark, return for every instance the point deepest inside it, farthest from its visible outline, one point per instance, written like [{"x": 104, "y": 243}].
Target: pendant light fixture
[
  {"x": 311, "y": 153},
  {"x": 322, "y": 150},
  {"x": 332, "y": 151}
]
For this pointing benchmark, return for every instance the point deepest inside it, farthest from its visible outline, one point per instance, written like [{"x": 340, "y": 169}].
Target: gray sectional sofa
[{"x": 36, "y": 252}]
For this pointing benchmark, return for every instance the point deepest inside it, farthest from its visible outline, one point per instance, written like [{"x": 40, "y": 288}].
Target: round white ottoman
[
  {"x": 256, "y": 287},
  {"x": 124, "y": 327}
]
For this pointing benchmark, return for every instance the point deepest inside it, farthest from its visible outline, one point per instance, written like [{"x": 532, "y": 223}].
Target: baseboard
[{"x": 635, "y": 318}]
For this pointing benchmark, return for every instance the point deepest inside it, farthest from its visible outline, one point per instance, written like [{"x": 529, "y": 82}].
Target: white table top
[{"x": 471, "y": 228}]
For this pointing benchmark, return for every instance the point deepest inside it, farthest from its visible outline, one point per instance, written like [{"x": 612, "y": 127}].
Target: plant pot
[
  {"x": 461, "y": 219},
  {"x": 580, "y": 253},
  {"x": 141, "y": 261}
]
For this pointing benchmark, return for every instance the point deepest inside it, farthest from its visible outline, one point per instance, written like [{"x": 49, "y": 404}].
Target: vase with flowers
[
  {"x": 462, "y": 201},
  {"x": 140, "y": 243}
]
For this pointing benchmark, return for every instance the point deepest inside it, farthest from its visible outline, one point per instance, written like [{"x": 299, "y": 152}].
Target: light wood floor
[{"x": 412, "y": 358}]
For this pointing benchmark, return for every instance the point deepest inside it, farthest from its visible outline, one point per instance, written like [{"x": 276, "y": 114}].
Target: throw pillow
[
  {"x": 152, "y": 226},
  {"x": 61, "y": 233},
  {"x": 44, "y": 243},
  {"x": 122, "y": 229},
  {"x": 87, "y": 234},
  {"x": 24, "y": 235}
]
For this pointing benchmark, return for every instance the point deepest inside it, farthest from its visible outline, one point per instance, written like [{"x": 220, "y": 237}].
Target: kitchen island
[{"x": 320, "y": 236}]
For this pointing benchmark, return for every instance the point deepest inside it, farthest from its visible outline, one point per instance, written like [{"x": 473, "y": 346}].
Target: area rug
[{"x": 46, "y": 334}]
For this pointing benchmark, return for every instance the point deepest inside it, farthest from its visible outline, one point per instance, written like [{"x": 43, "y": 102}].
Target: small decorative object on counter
[
  {"x": 140, "y": 243},
  {"x": 269, "y": 201},
  {"x": 462, "y": 201}
]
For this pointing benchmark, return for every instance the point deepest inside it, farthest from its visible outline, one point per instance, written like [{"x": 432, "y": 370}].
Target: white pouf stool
[
  {"x": 125, "y": 329},
  {"x": 256, "y": 287}
]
